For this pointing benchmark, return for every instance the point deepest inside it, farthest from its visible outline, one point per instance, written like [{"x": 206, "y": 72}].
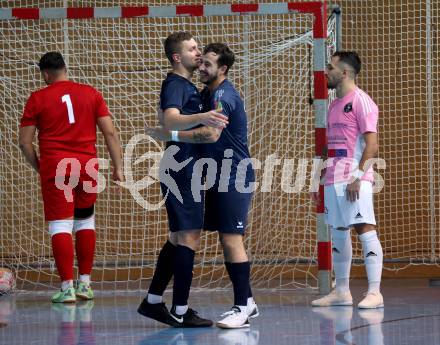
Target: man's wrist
[
  {"x": 358, "y": 174},
  {"x": 175, "y": 136},
  {"x": 200, "y": 119}
]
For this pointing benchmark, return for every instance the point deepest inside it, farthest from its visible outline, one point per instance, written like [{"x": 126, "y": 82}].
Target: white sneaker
[
  {"x": 334, "y": 298},
  {"x": 252, "y": 309},
  {"x": 235, "y": 318},
  {"x": 372, "y": 300}
]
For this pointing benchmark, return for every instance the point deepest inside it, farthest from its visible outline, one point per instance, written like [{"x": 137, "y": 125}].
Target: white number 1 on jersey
[{"x": 66, "y": 99}]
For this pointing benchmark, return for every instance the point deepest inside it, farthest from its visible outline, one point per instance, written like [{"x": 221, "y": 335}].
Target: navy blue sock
[
  {"x": 239, "y": 274},
  {"x": 228, "y": 265},
  {"x": 183, "y": 273},
  {"x": 164, "y": 269}
]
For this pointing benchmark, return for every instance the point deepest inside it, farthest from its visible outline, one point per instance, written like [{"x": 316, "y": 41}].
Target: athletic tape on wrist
[{"x": 175, "y": 136}]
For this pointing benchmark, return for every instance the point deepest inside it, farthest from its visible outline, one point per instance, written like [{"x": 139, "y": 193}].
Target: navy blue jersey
[
  {"x": 178, "y": 92},
  {"x": 227, "y": 100}
]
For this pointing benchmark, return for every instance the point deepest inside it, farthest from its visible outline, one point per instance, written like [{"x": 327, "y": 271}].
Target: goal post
[{"x": 281, "y": 49}]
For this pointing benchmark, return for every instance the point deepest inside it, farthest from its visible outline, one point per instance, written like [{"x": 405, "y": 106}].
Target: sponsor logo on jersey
[{"x": 219, "y": 94}]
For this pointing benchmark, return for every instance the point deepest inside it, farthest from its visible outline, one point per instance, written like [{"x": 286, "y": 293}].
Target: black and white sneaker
[
  {"x": 157, "y": 311},
  {"x": 252, "y": 309},
  {"x": 235, "y": 318},
  {"x": 189, "y": 319}
]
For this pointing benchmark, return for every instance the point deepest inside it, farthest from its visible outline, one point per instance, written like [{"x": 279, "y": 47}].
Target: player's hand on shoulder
[
  {"x": 158, "y": 133},
  {"x": 213, "y": 119}
]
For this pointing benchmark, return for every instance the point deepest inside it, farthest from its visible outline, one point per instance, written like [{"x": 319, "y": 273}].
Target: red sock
[
  {"x": 62, "y": 247},
  {"x": 85, "y": 250}
]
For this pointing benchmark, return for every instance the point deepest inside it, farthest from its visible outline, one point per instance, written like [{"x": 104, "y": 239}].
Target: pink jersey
[{"x": 348, "y": 119}]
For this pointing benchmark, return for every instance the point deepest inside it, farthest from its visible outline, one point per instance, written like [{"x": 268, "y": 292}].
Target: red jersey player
[{"x": 66, "y": 115}]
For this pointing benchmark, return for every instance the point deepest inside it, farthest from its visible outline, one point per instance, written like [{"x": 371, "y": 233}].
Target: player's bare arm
[
  {"x": 202, "y": 135},
  {"x": 25, "y": 142},
  {"x": 370, "y": 151},
  {"x": 175, "y": 121},
  {"x": 111, "y": 137}
]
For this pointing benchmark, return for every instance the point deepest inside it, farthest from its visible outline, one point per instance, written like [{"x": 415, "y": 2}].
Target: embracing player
[
  {"x": 181, "y": 104},
  {"x": 227, "y": 202}
]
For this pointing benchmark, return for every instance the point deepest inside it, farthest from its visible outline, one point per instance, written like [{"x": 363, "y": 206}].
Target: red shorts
[{"x": 66, "y": 184}]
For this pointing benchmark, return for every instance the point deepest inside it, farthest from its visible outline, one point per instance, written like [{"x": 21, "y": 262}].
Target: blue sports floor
[{"x": 411, "y": 316}]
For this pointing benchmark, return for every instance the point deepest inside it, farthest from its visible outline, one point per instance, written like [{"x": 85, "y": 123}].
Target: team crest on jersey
[
  {"x": 348, "y": 107},
  {"x": 218, "y": 106}
]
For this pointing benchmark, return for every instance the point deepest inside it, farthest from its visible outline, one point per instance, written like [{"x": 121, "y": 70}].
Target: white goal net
[{"x": 124, "y": 59}]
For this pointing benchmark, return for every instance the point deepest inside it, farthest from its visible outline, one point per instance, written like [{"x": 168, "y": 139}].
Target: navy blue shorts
[
  {"x": 226, "y": 212},
  {"x": 183, "y": 216}
]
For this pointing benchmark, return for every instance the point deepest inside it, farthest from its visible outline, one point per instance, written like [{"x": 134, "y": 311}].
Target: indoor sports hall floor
[{"x": 411, "y": 316}]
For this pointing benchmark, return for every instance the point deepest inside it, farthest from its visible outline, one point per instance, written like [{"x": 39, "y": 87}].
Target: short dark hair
[
  {"x": 225, "y": 55},
  {"x": 350, "y": 58},
  {"x": 173, "y": 43},
  {"x": 51, "y": 61}
]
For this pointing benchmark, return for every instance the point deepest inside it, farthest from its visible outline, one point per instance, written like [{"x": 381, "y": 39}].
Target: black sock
[
  {"x": 183, "y": 273},
  {"x": 228, "y": 265},
  {"x": 239, "y": 274},
  {"x": 164, "y": 269}
]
